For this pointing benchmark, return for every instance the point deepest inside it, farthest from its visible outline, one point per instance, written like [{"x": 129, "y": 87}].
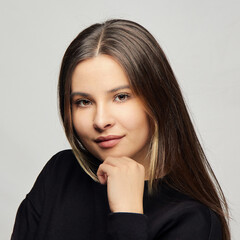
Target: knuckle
[
  {"x": 130, "y": 165},
  {"x": 107, "y": 159},
  {"x": 136, "y": 164},
  {"x": 115, "y": 170},
  {"x": 141, "y": 168},
  {"x": 99, "y": 167}
]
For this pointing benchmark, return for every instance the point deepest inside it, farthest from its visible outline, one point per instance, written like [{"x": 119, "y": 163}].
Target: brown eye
[
  {"x": 83, "y": 102},
  {"x": 122, "y": 97}
]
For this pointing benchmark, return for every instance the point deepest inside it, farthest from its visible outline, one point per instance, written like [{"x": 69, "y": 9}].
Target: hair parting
[{"x": 174, "y": 147}]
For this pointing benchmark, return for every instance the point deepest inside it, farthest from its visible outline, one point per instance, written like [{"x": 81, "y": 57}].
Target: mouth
[{"x": 108, "y": 141}]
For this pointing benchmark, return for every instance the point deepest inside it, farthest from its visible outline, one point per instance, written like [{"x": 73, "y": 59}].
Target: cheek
[
  {"x": 135, "y": 119},
  {"x": 81, "y": 124}
]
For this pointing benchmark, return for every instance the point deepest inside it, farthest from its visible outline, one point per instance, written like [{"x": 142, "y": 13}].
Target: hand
[{"x": 125, "y": 183}]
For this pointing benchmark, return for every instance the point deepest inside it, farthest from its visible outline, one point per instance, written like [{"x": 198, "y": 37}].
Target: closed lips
[{"x": 107, "y": 138}]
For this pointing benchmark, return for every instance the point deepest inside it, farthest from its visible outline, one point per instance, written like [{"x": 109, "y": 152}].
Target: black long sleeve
[{"x": 65, "y": 203}]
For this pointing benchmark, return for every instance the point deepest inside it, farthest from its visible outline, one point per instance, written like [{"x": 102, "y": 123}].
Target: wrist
[{"x": 129, "y": 210}]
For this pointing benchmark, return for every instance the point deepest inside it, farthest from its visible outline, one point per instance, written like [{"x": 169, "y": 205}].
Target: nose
[{"x": 103, "y": 118}]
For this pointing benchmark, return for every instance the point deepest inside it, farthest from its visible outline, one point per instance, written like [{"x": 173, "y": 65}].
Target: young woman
[{"x": 136, "y": 169}]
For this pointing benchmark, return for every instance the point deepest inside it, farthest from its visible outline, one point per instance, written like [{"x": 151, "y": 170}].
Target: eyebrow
[{"x": 109, "y": 91}]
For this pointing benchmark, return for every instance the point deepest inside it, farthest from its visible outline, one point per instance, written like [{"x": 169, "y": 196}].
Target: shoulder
[
  {"x": 62, "y": 159},
  {"x": 61, "y": 173},
  {"x": 63, "y": 166},
  {"x": 192, "y": 218},
  {"x": 194, "y": 210},
  {"x": 61, "y": 170},
  {"x": 199, "y": 219},
  {"x": 181, "y": 216}
]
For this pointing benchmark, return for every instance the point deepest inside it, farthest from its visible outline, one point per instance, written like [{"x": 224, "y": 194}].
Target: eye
[
  {"x": 122, "y": 97},
  {"x": 82, "y": 103}
]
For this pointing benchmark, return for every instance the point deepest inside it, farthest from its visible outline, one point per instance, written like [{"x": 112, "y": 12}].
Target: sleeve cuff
[{"x": 124, "y": 225}]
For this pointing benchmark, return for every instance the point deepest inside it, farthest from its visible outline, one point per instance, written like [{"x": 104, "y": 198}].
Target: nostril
[
  {"x": 97, "y": 128},
  {"x": 108, "y": 125},
  {"x": 101, "y": 128}
]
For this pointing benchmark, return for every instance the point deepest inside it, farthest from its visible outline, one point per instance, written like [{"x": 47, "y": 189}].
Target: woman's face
[{"x": 108, "y": 118}]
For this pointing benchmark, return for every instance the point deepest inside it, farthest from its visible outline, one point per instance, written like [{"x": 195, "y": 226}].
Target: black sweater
[{"x": 65, "y": 203}]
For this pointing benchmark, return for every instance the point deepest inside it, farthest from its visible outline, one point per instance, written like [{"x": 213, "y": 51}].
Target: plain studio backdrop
[{"x": 200, "y": 38}]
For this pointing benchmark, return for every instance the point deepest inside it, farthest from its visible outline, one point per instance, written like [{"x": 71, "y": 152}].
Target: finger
[
  {"x": 119, "y": 161},
  {"x": 103, "y": 172},
  {"x": 124, "y": 163}
]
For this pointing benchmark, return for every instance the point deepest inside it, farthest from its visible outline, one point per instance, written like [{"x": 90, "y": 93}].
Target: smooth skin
[
  {"x": 125, "y": 183},
  {"x": 104, "y": 105}
]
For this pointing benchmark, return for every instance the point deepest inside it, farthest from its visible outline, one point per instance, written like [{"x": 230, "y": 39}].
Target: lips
[{"x": 108, "y": 141}]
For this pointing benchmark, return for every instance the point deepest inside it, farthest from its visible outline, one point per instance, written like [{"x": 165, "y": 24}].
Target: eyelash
[
  {"x": 79, "y": 102},
  {"x": 122, "y": 94}
]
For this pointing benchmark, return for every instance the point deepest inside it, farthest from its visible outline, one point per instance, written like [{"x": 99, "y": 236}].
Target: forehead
[{"x": 98, "y": 73}]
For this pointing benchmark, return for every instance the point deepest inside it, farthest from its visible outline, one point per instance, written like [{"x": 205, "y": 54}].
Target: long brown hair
[{"x": 175, "y": 151}]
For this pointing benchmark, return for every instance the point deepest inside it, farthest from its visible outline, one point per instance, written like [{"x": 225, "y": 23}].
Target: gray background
[{"x": 200, "y": 38}]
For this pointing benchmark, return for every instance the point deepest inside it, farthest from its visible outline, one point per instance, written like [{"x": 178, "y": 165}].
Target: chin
[{"x": 113, "y": 154}]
